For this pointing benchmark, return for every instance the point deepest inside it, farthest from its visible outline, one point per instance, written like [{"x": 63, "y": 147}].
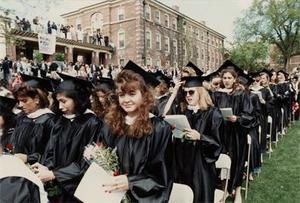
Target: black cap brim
[
  {"x": 36, "y": 82},
  {"x": 192, "y": 81},
  {"x": 148, "y": 78},
  {"x": 77, "y": 81},
  {"x": 266, "y": 71},
  {"x": 229, "y": 64},
  {"x": 160, "y": 76},
  {"x": 7, "y": 103},
  {"x": 105, "y": 83},
  {"x": 195, "y": 68}
]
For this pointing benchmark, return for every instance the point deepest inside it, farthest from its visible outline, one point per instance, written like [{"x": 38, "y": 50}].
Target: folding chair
[
  {"x": 248, "y": 166},
  {"x": 282, "y": 120},
  {"x": 259, "y": 140},
  {"x": 181, "y": 194},
  {"x": 224, "y": 163},
  {"x": 269, "y": 136}
]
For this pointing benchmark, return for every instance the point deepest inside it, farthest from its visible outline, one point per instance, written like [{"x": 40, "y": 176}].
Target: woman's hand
[
  {"x": 119, "y": 183},
  {"x": 37, "y": 167},
  {"x": 191, "y": 134},
  {"x": 45, "y": 175},
  {"x": 232, "y": 118},
  {"x": 23, "y": 157}
]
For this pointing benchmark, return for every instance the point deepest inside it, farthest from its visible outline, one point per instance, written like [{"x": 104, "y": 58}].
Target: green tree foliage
[
  {"x": 249, "y": 55},
  {"x": 59, "y": 57},
  {"x": 272, "y": 21}
]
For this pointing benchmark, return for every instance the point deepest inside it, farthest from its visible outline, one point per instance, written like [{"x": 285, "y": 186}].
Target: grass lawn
[{"x": 279, "y": 180}]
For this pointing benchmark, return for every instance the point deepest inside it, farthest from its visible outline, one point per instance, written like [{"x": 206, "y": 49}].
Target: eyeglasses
[{"x": 189, "y": 92}]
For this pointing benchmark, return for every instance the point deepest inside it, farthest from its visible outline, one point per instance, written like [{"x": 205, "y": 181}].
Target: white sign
[{"x": 47, "y": 43}]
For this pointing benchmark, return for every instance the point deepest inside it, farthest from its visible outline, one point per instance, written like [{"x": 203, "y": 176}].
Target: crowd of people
[
  {"x": 64, "y": 31},
  {"x": 49, "y": 119}
]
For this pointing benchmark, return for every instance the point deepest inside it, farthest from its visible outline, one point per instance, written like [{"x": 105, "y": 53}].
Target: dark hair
[
  {"x": 9, "y": 122},
  {"x": 24, "y": 90},
  {"x": 99, "y": 109},
  {"x": 235, "y": 85},
  {"x": 80, "y": 96}
]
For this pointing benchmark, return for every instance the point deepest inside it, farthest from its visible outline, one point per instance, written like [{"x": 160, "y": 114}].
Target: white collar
[
  {"x": 39, "y": 112},
  {"x": 131, "y": 120},
  {"x": 72, "y": 116},
  {"x": 1, "y": 132},
  {"x": 256, "y": 88},
  {"x": 224, "y": 90},
  {"x": 193, "y": 108}
]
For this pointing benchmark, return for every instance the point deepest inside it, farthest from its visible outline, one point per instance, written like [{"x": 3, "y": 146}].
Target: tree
[
  {"x": 249, "y": 56},
  {"x": 274, "y": 21}
]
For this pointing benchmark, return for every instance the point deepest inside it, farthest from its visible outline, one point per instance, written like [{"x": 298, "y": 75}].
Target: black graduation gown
[
  {"x": 18, "y": 189},
  {"x": 195, "y": 160},
  {"x": 266, "y": 110},
  {"x": 160, "y": 104},
  {"x": 147, "y": 161},
  {"x": 32, "y": 135},
  {"x": 284, "y": 96},
  {"x": 276, "y": 112},
  {"x": 234, "y": 136},
  {"x": 255, "y": 158},
  {"x": 65, "y": 151}
]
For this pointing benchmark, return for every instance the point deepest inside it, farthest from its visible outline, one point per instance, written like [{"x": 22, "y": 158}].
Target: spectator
[{"x": 6, "y": 66}]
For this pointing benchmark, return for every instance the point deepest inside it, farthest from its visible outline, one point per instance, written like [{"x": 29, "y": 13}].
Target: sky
[{"x": 217, "y": 14}]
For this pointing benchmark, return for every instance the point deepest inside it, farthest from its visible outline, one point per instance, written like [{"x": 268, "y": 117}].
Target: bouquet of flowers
[{"x": 105, "y": 157}]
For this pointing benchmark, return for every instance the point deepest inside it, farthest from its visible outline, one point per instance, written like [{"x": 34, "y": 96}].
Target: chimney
[{"x": 175, "y": 7}]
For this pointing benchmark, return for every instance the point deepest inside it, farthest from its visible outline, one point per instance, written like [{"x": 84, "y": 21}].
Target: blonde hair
[
  {"x": 204, "y": 99},
  {"x": 189, "y": 71}
]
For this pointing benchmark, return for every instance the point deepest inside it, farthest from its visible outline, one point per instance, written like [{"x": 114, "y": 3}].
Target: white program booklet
[
  {"x": 180, "y": 122},
  {"x": 226, "y": 112},
  {"x": 90, "y": 189}
]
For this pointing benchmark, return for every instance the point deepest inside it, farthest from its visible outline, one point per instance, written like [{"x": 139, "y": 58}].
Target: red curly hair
[{"x": 128, "y": 81}]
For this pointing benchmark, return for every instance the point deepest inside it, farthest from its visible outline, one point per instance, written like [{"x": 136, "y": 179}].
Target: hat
[
  {"x": 254, "y": 74},
  {"x": 210, "y": 76},
  {"x": 195, "y": 68},
  {"x": 73, "y": 83},
  {"x": 160, "y": 76},
  {"x": 192, "y": 81},
  {"x": 229, "y": 64},
  {"x": 105, "y": 83},
  {"x": 7, "y": 103},
  {"x": 266, "y": 71},
  {"x": 36, "y": 82},
  {"x": 245, "y": 79},
  {"x": 148, "y": 77},
  {"x": 284, "y": 73}
]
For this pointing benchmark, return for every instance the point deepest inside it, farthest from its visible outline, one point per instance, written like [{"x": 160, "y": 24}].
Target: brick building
[{"x": 150, "y": 32}]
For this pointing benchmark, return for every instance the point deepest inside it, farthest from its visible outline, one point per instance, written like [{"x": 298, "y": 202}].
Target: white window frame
[
  {"x": 167, "y": 39},
  {"x": 167, "y": 17},
  {"x": 158, "y": 62},
  {"x": 157, "y": 20},
  {"x": 120, "y": 64},
  {"x": 121, "y": 32},
  {"x": 121, "y": 11},
  {"x": 148, "y": 11},
  {"x": 149, "y": 61},
  {"x": 175, "y": 46},
  {"x": 150, "y": 39},
  {"x": 174, "y": 20},
  {"x": 158, "y": 40},
  {"x": 184, "y": 50}
]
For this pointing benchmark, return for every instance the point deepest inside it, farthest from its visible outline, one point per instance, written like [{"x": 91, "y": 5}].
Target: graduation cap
[
  {"x": 245, "y": 79},
  {"x": 7, "y": 103},
  {"x": 210, "y": 76},
  {"x": 266, "y": 71},
  {"x": 148, "y": 77},
  {"x": 195, "y": 68},
  {"x": 193, "y": 81},
  {"x": 72, "y": 83},
  {"x": 105, "y": 83},
  {"x": 160, "y": 76},
  {"x": 284, "y": 73},
  {"x": 36, "y": 82},
  {"x": 229, "y": 64},
  {"x": 254, "y": 74}
]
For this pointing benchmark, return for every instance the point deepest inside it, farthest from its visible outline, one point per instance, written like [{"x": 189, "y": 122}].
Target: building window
[
  {"x": 122, "y": 62},
  {"x": 158, "y": 41},
  {"x": 149, "y": 61},
  {"x": 78, "y": 23},
  {"x": 198, "y": 52},
  {"x": 175, "y": 46},
  {"x": 167, "y": 20},
  {"x": 158, "y": 63},
  {"x": 121, "y": 15},
  {"x": 184, "y": 51},
  {"x": 96, "y": 22},
  {"x": 148, "y": 39},
  {"x": 121, "y": 39},
  {"x": 197, "y": 33},
  {"x": 167, "y": 44},
  {"x": 202, "y": 55},
  {"x": 174, "y": 24},
  {"x": 157, "y": 16},
  {"x": 148, "y": 12},
  {"x": 184, "y": 28}
]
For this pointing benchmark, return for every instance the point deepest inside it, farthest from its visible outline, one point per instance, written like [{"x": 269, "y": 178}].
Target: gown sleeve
[{"x": 245, "y": 118}]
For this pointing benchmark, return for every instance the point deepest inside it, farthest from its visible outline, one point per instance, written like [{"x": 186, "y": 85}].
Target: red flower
[
  {"x": 10, "y": 147},
  {"x": 116, "y": 173}
]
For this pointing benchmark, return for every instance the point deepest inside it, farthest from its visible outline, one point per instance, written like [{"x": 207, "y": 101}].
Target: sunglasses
[{"x": 189, "y": 92}]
